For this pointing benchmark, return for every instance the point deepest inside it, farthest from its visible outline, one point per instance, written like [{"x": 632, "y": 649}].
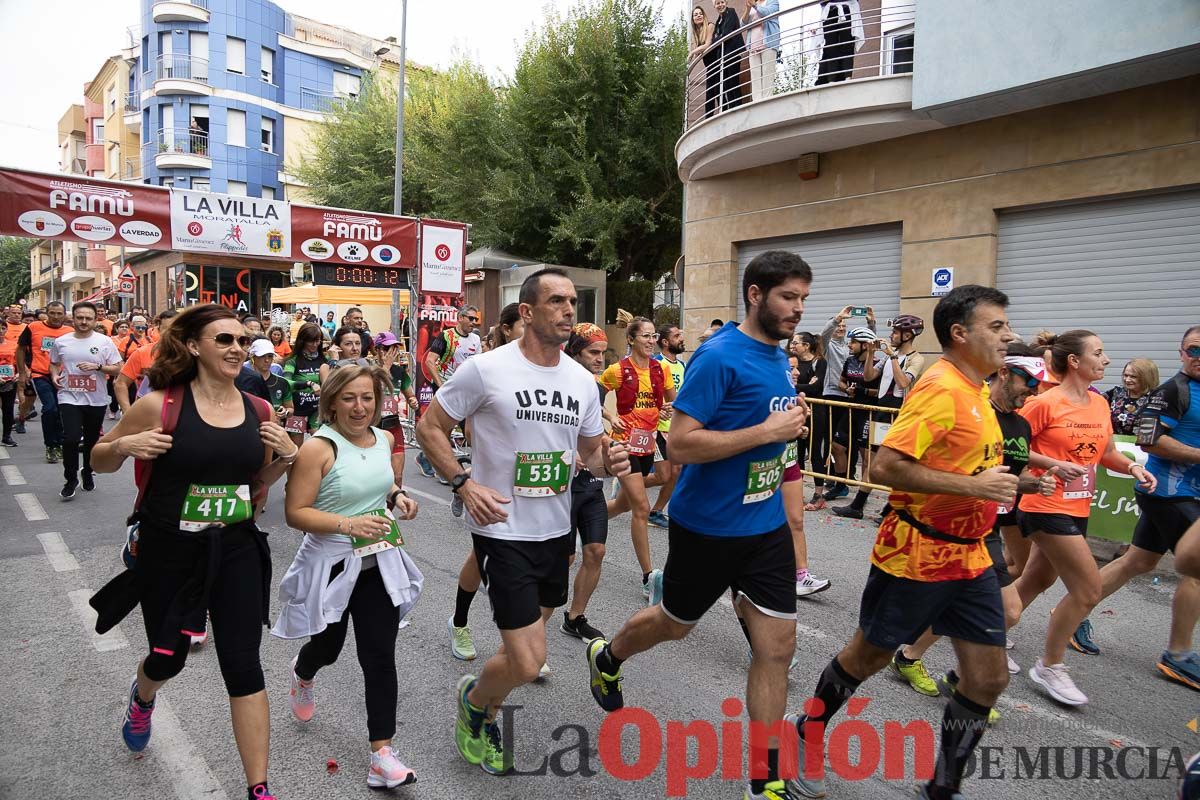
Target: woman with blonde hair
[
  {"x": 701, "y": 41},
  {"x": 1138, "y": 379}
]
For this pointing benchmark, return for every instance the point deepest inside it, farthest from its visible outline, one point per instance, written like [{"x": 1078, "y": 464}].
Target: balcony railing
[
  {"x": 133, "y": 102},
  {"x": 131, "y": 169},
  {"x": 323, "y": 102},
  {"x": 181, "y": 66},
  {"x": 183, "y": 141},
  {"x": 814, "y": 47},
  {"x": 318, "y": 33}
]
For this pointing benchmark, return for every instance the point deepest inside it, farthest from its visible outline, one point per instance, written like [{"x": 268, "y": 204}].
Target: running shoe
[
  {"x": 130, "y": 548},
  {"x": 579, "y": 628},
  {"x": 387, "y": 771},
  {"x": 1057, "y": 683},
  {"x": 835, "y": 492},
  {"x": 497, "y": 760},
  {"x": 1013, "y": 667},
  {"x": 658, "y": 519},
  {"x": 915, "y": 674},
  {"x": 58, "y": 454},
  {"x": 774, "y": 790},
  {"x": 946, "y": 685},
  {"x": 1081, "y": 639},
  {"x": 31, "y": 415},
  {"x": 136, "y": 728},
  {"x": 923, "y": 793},
  {"x": 850, "y": 512},
  {"x": 199, "y": 640},
  {"x": 655, "y": 585},
  {"x": 544, "y": 672},
  {"x": 468, "y": 723},
  {"x": 87, "y": 479},
  {"x": 461, "y": 644},
  {"x": 51, "y": 456},
  {"x": 605, "y": 688},
  {"x": 19, "y": 427},
  {"x": 1185, "y": 670},
  {"x": 1009, "y": 644},
  {"x": 68, "y": 491},
  {"x": 423, "y": 464},
  {"x": 8, "y": 442},
  {"x": 802, "y": 785},
  {"x": 456, "y": 505},
  {"x": 810, "y": 584},
  {"x": 301, "y": 696}
]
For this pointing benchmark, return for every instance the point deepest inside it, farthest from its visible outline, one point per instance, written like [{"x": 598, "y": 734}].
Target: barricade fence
[{"x": 840, "y": 435}]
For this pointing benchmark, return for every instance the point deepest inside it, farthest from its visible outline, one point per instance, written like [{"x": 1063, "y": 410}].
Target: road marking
[
  {"x": 113, "y": 640},
  {"x": 58, "y": 552},
  {"x": 3, "y": 453},
  {"x": 190, "y": 775},
  {"x": 1014, "y": 709},
  {"x": 427, "y": 495},
  {"x": 12, "y": 475},
  {"x": 31, "y": 507}
]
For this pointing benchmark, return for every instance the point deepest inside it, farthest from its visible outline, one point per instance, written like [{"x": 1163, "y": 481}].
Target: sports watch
[{"x": 458, "y": 480}]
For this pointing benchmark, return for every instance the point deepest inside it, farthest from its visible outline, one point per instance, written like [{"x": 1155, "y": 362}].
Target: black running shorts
[
  {"x": 700, "y": 568},
  {"x": 895, "y": 611},
  {"x": 589, "y": 514},
  {"x": 1164, "y": 520},
  {"x": 1053, "y": 524},
  {"x": 995, "y": 548},
  {"x": 522, "y": 578}
]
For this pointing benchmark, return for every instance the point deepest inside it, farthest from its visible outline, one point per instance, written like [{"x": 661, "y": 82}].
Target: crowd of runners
[{"x": 991, "y": 459}]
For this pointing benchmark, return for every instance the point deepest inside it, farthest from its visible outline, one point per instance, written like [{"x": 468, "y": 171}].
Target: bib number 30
[
  {"x": 214, "y": 506},
  {"x": 543, "y": 474}
]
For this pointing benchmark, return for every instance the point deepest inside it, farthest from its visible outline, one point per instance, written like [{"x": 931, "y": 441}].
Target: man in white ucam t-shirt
[{"x": 532, "y": 409}]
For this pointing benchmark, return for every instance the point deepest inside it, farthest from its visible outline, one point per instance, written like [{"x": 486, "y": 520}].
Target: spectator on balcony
[
  {"x": 702, "y": 38},
  {"x": 764, "y": 46},
  {"x": 732, "y": 49},
  {"x": 842, "y": 29},
  {"x": 198, "y": 138}
]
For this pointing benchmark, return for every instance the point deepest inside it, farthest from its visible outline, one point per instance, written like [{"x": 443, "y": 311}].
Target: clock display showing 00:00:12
[{"x": 338, "y": 275}]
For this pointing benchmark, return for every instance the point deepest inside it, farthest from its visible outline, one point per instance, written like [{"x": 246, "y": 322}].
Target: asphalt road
[{"x": 67, "y": 687}]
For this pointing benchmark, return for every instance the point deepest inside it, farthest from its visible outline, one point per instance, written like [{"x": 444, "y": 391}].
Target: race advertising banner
[
  {"x": 335, "y": 236},
  {"x": 83, "y": 210},
  {"x": 203, "y": 222},
  {"x": 443, "y": 257},
  {"x": 1115, "y": 510},
  {"x": 435, "y": 313}
]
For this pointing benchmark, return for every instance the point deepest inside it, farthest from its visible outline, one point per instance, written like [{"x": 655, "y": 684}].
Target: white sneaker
[
  {"x": 1013, "y": 667},
  {"x": 388, "y": 771},
  {"x": 811, "y": 584},
  {"x": 300, "y": 696},
  {"x": 1009, "y": 644},
  {"x": 1057, "y": 683},
  {"x": 544, "y": 672},
  {"x": 461, "y": 644}
]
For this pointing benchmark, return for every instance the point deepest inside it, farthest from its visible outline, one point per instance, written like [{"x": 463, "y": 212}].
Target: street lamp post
[{"x": 399, "y": 184}]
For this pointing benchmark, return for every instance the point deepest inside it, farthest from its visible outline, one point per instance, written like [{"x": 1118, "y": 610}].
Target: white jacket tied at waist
[{"x": 309, "y": 601}]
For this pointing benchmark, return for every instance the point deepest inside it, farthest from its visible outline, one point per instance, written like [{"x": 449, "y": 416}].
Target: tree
[
  {"x": 14, "y": 269},
  {"x": 571, "y": 161}
]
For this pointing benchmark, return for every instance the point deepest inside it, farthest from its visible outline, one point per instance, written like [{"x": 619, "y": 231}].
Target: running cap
[
  {"x": 261, "y": 347},
  {"x": 1032, "y": 366},
  {"x": 862, "y": 335},
  {"x": 386, "y": 339}
]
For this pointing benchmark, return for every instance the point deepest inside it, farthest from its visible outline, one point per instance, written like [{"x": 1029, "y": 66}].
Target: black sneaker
[
  {"x": 31, "y": 415},
  {"x": 68, "y": 491},
  {"x": 51, "y": 456},
  {"x": 835, "y": 492},
  {"x": 8, "y": 442},
  {"x": 848, "y": 511},
  {"x": 88, "y": 481},
  {"x": 579, "y": 628}
]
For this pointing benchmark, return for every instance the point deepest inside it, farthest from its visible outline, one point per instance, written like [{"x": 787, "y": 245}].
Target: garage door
[
  {"x": 858, "y": 267},
  {"x": 1127, "y": 269}
]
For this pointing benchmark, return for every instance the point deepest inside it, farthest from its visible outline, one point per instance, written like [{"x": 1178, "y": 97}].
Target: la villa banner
[{"x": 81, "y": 209}]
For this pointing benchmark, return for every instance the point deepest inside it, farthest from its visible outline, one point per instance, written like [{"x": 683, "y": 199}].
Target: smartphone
[{"x": 858, "y": 311}]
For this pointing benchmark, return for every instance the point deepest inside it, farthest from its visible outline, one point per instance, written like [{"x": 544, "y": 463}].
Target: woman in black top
[
  {"x": 811, "y": 383},
  {"x": 732, "y": 50},
  {"x": 199, "y": 550}
]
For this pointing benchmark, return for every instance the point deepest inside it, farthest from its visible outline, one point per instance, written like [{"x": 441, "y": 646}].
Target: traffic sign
[
  {"x": 125, "y": 286},
  {"x": 127, "y": 274}
]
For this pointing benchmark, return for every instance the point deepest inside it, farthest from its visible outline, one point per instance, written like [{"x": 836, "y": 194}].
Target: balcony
[
  {"x": 838, "y": 83},
  {"x": 181, "y": 11},
  {"x": 179, "y": 148},
  {"x": 330, "y": 42},
  {"x": 131, "y": 170},
  {"x": 132, "y": 109},
  {"x": 180, "y": 73},
  {"x": 76, "y": 269},
  {"x": 323, "y": 102}
]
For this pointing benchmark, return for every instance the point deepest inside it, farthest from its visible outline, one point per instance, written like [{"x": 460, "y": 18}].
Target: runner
[
  {"x": 34, "y": 345},
  {"x": 1072, "y": 430},
  {"x": 9, "y": 383},
  {"x": 1169, "y": 430},
  {"x": 79, "y": 363},
  {"x": 279, "y": 342},
  {"x": 670, "y": 347},
  {"x": 534, "y": 412},
  {"x": 394, "y": 361},
  {"x": 198, "y": 548},
  {"x": 347, "y": 344},
  {"x": 729, "y": 530},
  {"x": 810, "y": 382},
  {"x": 130, "y": 384},
  {"x": 447, "y": 352},
  {"x": 831, "y": 419},
  {"x": 25, "y": 394},
  {"x": 341, "y": 493},
  {"x": 807, "y": 583},
  {"x": 643, "y": 399},
  {"x": 303, "y": 371},
  {"x": 929, "y": 565},
  {"x": 258, "y": 378},
  {"x": 1023, "y": 374}
]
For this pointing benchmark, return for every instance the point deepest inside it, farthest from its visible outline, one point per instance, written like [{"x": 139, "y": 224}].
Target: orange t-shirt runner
[
  {"x": 1067, "y": 432},
  {"x": 41, "y": 336},
  {"x": 644, "y": 414},
  {"x": 946, "y": 424},
  {"x": 138, "y": 362}
]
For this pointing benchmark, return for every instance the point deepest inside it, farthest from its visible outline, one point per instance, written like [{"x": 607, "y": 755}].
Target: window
[
  {"x": 236, "y": 188},
  {"x": 198, "y": 50},
  {"x": 235, "y": 128},
  {"x": 201, "y": 185},
  {"x": 268, "y": 192},
  {"x": 900, "y": 52},
  {"x": 235, "y": 55},
  {"x": 267, "y": 65},
  {"x": 346, "y": 85},
  {"x": 168, "y": 182},
  {"x": 110, "y": 99},
  {"x": 268, "y": 134}
]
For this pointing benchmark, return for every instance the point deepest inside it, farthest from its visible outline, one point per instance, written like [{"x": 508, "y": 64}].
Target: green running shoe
[
  {"x": 915, "y": 675},
  {"x": 946, "y": 685},
  {"x": 605, "y": 688},
  {"x": 497, "y": 760},
  {"x": 468, "y": 724}
]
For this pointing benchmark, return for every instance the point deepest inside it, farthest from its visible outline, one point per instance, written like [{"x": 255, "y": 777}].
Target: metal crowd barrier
[{"x": 878, "y": 419}]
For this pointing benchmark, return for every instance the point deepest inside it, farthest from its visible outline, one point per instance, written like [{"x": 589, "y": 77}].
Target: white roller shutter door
[
  {"x": 1127, "y": 269},
  {"x": 857, "y": 267}
]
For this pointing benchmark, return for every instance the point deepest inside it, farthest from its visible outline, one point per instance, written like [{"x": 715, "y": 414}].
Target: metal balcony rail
[
  {"x": 324, "y": 102},
  {"x": 181, "y": 66},
  {"x": 319, "y": 33},
  {"x": 182, "y": 140},
  {"x": 133, "y": 102},
  {"x": 818, "y": 45},
  {"x": 79, "y": 262},
  {"x": 132, "y": 169}
]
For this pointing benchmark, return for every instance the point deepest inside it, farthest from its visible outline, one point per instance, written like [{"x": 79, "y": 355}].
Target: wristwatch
[{"x": 458, "y": 480}]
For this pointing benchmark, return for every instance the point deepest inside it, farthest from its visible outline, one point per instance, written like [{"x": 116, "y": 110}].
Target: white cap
[{"x": 261, "y": 347}]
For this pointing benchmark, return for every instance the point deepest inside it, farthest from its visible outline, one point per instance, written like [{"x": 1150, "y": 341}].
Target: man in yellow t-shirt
[
  {"x": 670, "y": 348},
  {"x": 930, "y": 566}
]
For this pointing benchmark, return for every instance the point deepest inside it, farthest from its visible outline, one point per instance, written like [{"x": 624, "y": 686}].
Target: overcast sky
[{"x": 50, "y": 48}]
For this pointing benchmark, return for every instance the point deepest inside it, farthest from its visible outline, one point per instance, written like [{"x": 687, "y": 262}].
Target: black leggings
[
  {"x": 235, "y": 607},
  {"x": 818, "y": 441},
  {"x": 376, "y": 622},
  {"x": 79, "y": 422},
  {"x": 7, "y": 402}
]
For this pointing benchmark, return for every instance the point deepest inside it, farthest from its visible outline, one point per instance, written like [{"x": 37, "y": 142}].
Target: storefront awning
[
  {"x": 335, "y": 295},
  {"x": 104, "y": 292}
]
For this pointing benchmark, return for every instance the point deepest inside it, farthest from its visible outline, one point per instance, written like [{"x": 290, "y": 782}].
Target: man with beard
[
  {"x": 731, "y": 422},
  {"x": 670, "y": 347}
]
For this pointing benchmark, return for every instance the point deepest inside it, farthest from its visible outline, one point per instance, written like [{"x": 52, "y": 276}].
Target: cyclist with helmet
[
  {"x": 901, "y": 366},
  {"x": 849, "y": 439}
]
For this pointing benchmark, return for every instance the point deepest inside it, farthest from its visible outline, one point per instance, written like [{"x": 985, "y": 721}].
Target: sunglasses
[
  {"x": 473, "y": 319},
  {"x": 1193, "y": 352},
  {"x": 141, "y": 327},
  {"x": 1030, "y": 381},
  {"x": 228, "y": 340}
]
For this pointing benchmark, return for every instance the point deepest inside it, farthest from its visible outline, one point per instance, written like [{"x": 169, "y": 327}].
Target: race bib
[
  {"x": 295, "y": 424},
  {"x": 1081, "y": 488},
  {"x": 391, "y": 407},
  {"x": 367, "y": 547},
  {"x": 763, "y": 479},
  {"x": 7, "y": 371},
  {"x": 81, "y": 383},
  {"x": 791, "y": 454},
  {"x": 47, "y": 343},
  {"x": 640, "y": 442},
  {"x": 542, "y": 474},
  {"x": 214, "y": 506}
]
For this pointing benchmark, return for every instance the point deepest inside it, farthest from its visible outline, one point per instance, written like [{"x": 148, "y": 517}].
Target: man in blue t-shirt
[
  {"x": 731, "y": 421},
  {"x": 1169, "y": 430}
]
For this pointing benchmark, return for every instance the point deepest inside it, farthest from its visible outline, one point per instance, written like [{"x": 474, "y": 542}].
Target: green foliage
[
  {"x": 666, "y": 315},
  {"x": 570, "y": 162},
  {"x": 14, "y": 269},
  {"x": 636, "y": 297}
]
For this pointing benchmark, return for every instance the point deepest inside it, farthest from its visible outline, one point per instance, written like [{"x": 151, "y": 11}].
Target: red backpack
[{"x": 627, "y": 391}]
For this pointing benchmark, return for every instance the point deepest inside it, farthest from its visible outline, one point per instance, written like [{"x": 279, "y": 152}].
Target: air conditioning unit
[{"x": 298, "y": 272}]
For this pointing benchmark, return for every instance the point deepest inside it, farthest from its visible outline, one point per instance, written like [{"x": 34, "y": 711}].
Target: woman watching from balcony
[
  {"x": 732, "y": 50},
  {"x": 764, "y": 45},
  {"x": 702, "y": 37}
]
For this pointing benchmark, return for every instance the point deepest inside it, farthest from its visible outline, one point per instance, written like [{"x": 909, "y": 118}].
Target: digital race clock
[{"x": 365, "y": 277}]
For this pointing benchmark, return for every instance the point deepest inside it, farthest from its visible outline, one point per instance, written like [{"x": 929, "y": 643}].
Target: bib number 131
[{"x": 542, "y": 474}]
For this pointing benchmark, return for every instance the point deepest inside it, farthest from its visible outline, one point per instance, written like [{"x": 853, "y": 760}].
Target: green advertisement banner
[{"x": 1114, "y": 509}]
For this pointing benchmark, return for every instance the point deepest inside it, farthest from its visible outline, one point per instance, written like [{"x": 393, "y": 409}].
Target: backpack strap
[
  {"x": 258, "y": 491},
  {"x": 1183, "y": 384},
  {"x": 171, "y": 407}
]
